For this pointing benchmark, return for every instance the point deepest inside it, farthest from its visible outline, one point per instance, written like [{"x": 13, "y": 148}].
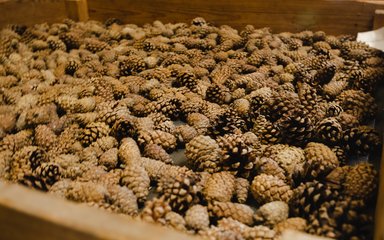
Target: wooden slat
[
  {"x": 28, "y": 214},
  {"x": 77, "y": 9},
  {"x": 333, "y": 16},
  {"x": 31, "y": 12},
  {"x": 378, "y": 20}
]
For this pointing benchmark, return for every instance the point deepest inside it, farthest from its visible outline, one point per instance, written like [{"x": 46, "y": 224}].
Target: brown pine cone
[
  {"x": 48, "y": 172},
  {"x": 342, "y": 219},
  {"x": 220, "y": 187},
  {"x": 136, "y": 178},
  {"x": 71, "y": 40},
  {"x": 218, "y": 94},
  {"x": 123, "y": 200},
  {"x": 272, "y": 213},
  {"x": 16, "y": 141},
  {"x": 357, "y": 103},
  {"x": 109, "y": 159},
  {"x": 289, "y": 158},
  {"x": 163, "y": 139},
  {"x": 267, "y": 188},
  {"x": 256, "y": 232},
  {"x": 25, "y": 161},
  {"x": 55, "y": 43},
  {"x": 341, "y": 155},
  {"x": 361, "y": 140},
  {"x": 307, "y": 95},
  {"x": 169, "y": 106},
  {"x": 185, "y": 133},
  {"x": 361, "y": 181},
  {"x": 123, "y": 127},
  {"x": 333, "y": 109},
  {"x": 270, "y": 167},
  {"x": 329, "y": 131},
  {"x": 156, "y": 152},
  {"x": 241, "y": 189},
  {"x": 227, "y": 122},
  {"x": 199, "y": 121},
  {"x": 309, "y": 196},
  {"x": 94, "y": 45},
  {"x": 197, "y": 217},
  {"x": 167, "y": 126},
  {"x": 187, "y": 79},
  {"x": 320, "y": 160},
  {"x": 278, "y": 105},
  {"x": 155, "y": 210},
  {"x": 235, "y": 154},
  {"x": 347, "y": 120},
  {"x": 293, "y": 223},
  {"x": 214, "y": 233},
  {"x": 94, "y": 131},
  {"x": 129, "y": 152},
  {"x": 296, "y": 128},
  {"x": 267, "y": 132},
  {"x": 336, "y": 178},
  {"x": 180, "y": 190},
  {"x": 131, "y": 65},
  {"x": 203, "y": 153},
  {"x": 237, "y": 211}
]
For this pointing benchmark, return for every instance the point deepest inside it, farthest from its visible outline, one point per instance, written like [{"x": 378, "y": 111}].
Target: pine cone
[
  {"x": 267, "y": 132},
  {"x": 256, "y": 232},
  {"x": 123, "y": 127},
  {"x": 361, "y": 140},
  {"x": 333, "y": 109},
  {"x": 267, "y": 188},
  {"x": 71, "y": 40},
  {"x": 320, "y": 160},
  {"x": 170, "y": 107},
  {"x": 235, "y": 152},
  {"x": 308, "y": 197},
  {"x": 295, "y": 128},
  {"x": 329, "y": 131},
  {"x": 341, "y": 155},
  {"x": 361, "y": 181},
  {"x": 71, "y": 67},
  {"x": 136, "y": 178},
  {"x": 131, "y": 65},
  {"x": 342, "y": 219},
  {"x": 197, "y": 217},
  {"x": 294, "y": 223},
  {"x": 220, "y": 187},
  {"x": 272, "y": 213},
  {"x": 129, "y": 152},
  {"x": 155, "y": 210},
  {"x": 94, "y": 131},
  {"x": 55, "y": 43},
  {"x": 270, "y": 167},
  {"x": 185, "y": 133},
  {"x": 94, "y": 45},
  {"x": 156, "y": 152},
  {"x": 227, "y": 122},
  {"x": 123, "y": 200},
  {"x": 48, "y": 172},
  {"x": 357, "y": 103},
  {"x": 16, "y": 141},
  {"x": 163, "y": 139},
  {"x": 241, "y": 189},
  {"x": 180, "y": 190},
  {"x": 203, "y": 153},
  {"x": 237, "y": 211},
  {"x": 218, "y": 94}
]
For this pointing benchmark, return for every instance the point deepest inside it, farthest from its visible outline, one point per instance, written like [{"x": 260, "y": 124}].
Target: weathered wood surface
[
  {"x": 31, "y": 11},
  {"x": 28, "y": 214},
  {"x": 331, "y": 16}
]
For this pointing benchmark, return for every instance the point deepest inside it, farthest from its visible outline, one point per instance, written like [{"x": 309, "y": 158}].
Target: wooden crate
[{"x": 24, "y": 212}]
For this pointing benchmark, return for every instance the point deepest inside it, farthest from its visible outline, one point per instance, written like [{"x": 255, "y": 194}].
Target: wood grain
[
  {"x": 332, "y": 16},
  {"x": 28, "y": 214},
  {"x": 31, "y": 12},
  {"x": 77, "y": 9}
]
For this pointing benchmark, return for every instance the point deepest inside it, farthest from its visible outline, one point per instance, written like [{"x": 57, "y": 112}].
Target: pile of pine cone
[{"x": 269, "y": 123}]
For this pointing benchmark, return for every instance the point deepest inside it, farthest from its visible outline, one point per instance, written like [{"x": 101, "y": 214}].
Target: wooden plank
[
  {"x": 350, "y": 16},
  {"x": 296, "y": 235},
  {"x": 31, "y": 12},
  {"x": 378, "y": 20},
  {"x": 77, "y": 9},
  {"x": 39, "y": 216}
]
